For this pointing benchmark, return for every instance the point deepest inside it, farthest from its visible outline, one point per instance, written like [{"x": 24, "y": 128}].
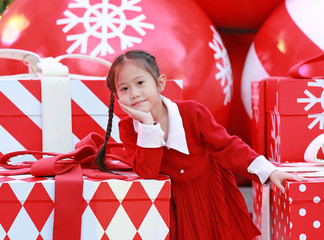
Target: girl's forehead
[{"x": 129, "y": 69}]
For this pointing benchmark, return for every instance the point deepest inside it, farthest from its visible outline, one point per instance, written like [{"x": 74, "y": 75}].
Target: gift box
[
  {"x": 132, "y": 208},
  {"x": 287, "y": 114},
  {"x": 53, "y": 111},
  {"x": 296, "y": 214}
]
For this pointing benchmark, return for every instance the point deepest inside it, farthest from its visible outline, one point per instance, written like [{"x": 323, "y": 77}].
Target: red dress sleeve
[
  {"x": 146, "y": 162},
  {"x": 230, "y": 152}
]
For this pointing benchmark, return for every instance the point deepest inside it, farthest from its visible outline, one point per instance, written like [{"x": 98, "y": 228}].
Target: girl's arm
[
  {"x": 144, "y": 149},
  {"x": 233, "y": 154}
]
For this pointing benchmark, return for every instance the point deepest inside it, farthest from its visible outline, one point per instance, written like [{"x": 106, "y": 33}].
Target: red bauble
[
  {"x": 292, "y": 33},
  {"x": 186, "y": 44}
]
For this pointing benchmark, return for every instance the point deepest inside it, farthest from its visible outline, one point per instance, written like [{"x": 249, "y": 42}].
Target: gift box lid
[
  {"x": 294, "y": 96},
  {"x": 302, "y": 191},
  {"x": 110, "y": 189}
]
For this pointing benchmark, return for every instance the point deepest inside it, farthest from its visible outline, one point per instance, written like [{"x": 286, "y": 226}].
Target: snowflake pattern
[
  {"x": 275, "y": 133},
  {"x": 225, "y": 71},
  {"x": 104, "y": 21},
  {"x": 312, "y": 101}
]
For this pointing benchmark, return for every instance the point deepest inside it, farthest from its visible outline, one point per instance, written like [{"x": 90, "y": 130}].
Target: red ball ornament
[
  {"x": 292, "y": 33},
  {"x": 248, "y": 14},
  {"x": 185, "y": 43}
]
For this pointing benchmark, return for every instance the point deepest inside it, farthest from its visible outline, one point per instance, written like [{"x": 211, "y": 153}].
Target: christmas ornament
[{"x": 185, "y": 43}]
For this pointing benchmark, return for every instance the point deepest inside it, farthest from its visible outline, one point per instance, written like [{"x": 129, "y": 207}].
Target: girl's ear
[{"x": 161, "y": 82}]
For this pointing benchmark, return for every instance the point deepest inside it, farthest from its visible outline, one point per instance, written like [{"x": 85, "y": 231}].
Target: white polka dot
[
  {"x": 316, "y": 199},
  {"x": 302, "y": 212},
  {"x": 290, "y": 200},
  {"x": 285, "y": 229},
  {"x": 279, "y": 225},
  {"x": 316, "y": 224},
  {"x": 291, "y": 225},
  {"x": 302, "y": 187},
  {"x": 281, "y": 215},
  {"x": 302, "y": 236}
]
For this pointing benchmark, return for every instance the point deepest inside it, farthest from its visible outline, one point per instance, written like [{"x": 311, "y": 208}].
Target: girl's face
[{"x": 137, "y": 89}]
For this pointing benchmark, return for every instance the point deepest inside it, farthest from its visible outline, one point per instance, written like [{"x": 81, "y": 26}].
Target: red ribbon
[
  {"x": 310, "y": 68},
  {"x": 68, "y": 170}
]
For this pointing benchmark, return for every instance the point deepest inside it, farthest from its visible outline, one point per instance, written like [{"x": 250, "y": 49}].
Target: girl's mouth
[{"x": 138, "y": 103}]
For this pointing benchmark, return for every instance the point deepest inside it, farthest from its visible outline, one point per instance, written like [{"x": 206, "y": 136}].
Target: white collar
[{"x": 176, "y": 137}]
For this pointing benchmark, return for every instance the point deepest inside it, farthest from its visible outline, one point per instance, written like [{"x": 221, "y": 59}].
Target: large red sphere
[
  {"x": 292, "y": 33},
  {"x": 186, "y": 44},
  {"x": 247, "y": 14}
]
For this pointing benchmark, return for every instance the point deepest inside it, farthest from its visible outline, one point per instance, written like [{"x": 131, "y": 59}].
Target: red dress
[{"x": 206, "y": 203}]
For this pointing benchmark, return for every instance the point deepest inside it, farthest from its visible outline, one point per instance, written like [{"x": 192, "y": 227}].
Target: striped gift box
[{"x": 21, "y": 111}]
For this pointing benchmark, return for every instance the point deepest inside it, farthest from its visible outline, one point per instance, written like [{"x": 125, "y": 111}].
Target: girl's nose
[{"x": 135, "y": 92}]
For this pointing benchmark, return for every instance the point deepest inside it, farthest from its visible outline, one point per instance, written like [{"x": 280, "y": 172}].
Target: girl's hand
[
  {"x": 143, "y": 117},
  {"x": 277, "y": 177}
]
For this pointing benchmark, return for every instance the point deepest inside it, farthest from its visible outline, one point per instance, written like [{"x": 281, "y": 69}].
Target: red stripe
[
  {"x": 24, "y": 130},
  {"x": 279, "y": 44},
  {"x": 82, "y": 123},
  {"x": 99, "y": 88},
  {"x": 34, "y": 87}
]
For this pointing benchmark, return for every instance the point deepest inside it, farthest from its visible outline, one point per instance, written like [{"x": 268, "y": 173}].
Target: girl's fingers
[{"x": 280, "y": 186}]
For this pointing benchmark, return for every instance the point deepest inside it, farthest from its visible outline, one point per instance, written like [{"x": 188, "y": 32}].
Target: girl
[{"x": 182, "y": 140}]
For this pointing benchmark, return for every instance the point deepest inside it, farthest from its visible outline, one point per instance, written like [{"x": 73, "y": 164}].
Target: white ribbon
[
  {"x": 313, "y": 149},
  {"x": 56, "y": 94},
  {"x": 313, "y": 167}
]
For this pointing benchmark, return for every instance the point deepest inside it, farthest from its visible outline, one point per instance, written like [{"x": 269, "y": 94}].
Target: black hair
[{"x": 143, "y": 60}]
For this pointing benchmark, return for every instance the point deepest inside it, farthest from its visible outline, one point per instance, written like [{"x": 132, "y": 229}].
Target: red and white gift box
[
  {"x": 112, "y": 209},
  {"x": 296, "y": 214},
  {"x": 51, "y": 110},
  {"x": 287, "y": 114}
]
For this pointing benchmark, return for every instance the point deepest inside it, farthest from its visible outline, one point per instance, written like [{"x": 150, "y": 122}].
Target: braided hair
[{"x": 143, "y": 60}]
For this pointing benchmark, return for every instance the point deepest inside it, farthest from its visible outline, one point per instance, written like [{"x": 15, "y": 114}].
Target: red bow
[
  {"x": 309, "y": 68},
  {"x": 68, "y": 170}
]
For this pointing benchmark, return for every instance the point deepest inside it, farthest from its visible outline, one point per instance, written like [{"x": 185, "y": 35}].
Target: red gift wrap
[
  {"x": 296, "y": 214},
  {"x": 288, "y": 113},
  {"x": 131, "y": 208},
  {"x": 21, "y": 111}
]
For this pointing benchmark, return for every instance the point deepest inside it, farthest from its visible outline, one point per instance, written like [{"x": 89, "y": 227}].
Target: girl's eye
[
  {"x": 124, "y": 89},
  {"x": 140, "y": 82}
]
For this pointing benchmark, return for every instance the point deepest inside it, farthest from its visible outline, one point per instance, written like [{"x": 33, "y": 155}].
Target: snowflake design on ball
[
  {"x": 312, "y": 100},
  {"x": 103, "y": 22},
  {"x": 275, "y": 134},
  {"x": 225, "y": 71}
]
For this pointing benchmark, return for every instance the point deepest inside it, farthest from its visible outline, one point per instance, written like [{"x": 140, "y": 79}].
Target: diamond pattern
[
  {"x": 9, "y": 206},
  {"x": 153, "y": 224},
  {"x": 39, "y": 205},
  {"x": 23, "y": 227},
  {"x": 121, "y": 227},
  {"x": 162, "y": 202},
  {"x": 130, "y": 209},
  {"x": 137, "y": 208},
  {"x": 104, "y": 204}
]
